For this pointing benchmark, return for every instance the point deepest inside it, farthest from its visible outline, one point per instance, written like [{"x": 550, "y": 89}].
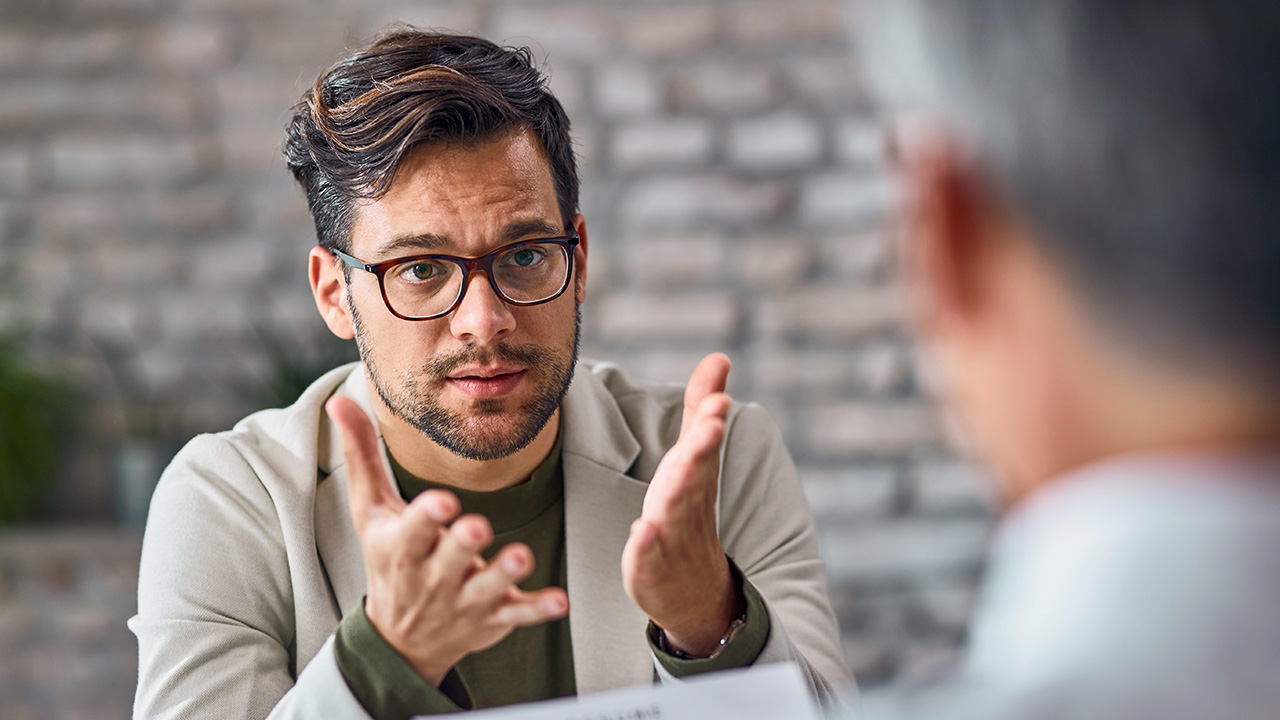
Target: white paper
[{"x": 775, "y": 691}]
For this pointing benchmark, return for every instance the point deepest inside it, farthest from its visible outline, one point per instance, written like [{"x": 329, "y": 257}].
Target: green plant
[{"x": 35, "y": 421}]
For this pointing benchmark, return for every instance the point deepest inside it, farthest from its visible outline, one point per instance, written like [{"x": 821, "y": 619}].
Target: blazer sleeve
[
  {"x": 768, "y": 530},
  {"x": 215, "y": 621}
]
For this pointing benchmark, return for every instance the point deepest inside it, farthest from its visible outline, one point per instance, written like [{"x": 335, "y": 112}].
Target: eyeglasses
[{"x": 424, "y": 287}]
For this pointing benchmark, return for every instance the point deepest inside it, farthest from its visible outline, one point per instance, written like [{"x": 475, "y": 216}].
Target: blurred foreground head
[{"x": 1092, "y": 219}]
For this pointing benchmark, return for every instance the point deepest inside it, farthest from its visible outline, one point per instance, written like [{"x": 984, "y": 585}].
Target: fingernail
[
  {"x": 553, "y": 605},
  {"x": 512, "y": 565}
]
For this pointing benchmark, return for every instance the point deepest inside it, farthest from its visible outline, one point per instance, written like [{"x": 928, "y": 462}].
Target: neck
[
  {"x": 425, "y": 458},
  {"x": 1136, "y": 407}
]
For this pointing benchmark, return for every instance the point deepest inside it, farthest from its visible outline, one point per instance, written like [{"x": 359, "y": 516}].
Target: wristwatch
[{"x": 675, "y": 652}]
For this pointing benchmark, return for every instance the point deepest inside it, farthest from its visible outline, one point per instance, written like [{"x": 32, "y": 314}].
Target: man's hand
[
  {"x": 430, "y": 594},
  {"x": 673, "y": 566}
]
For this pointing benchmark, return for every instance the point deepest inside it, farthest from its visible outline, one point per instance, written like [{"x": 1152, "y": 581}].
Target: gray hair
[{"x": 1139, "y": 139}]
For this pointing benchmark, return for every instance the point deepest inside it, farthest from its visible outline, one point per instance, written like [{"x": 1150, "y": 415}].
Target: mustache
[{"x": 528, "y": 356}]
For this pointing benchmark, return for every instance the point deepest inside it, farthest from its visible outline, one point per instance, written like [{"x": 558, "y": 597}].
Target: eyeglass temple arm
[{"x": 347, "y": 259}]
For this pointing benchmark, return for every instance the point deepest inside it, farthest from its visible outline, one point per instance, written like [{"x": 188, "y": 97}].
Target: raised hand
[
  {"x": 673, "y": 565},
  {"x": 430, "y": 594}
]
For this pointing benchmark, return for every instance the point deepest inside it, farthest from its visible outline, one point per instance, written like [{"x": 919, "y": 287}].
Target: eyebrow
[{"x": 431, "y": 242}]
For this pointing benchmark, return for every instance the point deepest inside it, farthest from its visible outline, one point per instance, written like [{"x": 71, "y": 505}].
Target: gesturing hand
[
  {"x": 430, "y": 594},
  {"x": 673, "y": 565}
]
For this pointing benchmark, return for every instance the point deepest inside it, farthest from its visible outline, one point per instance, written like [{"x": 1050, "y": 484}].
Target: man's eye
[
  {"x": 419, "y": 271},
  {"x": 526, "y": 257}
]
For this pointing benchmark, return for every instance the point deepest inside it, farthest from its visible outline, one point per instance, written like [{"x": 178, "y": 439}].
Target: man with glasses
[{"x": 469, "y": 516}]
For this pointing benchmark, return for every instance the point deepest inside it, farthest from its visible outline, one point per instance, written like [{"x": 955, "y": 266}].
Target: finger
[
  {"x": 455, "y": 554},
  {"x": 687, "y": 478},
  {"x": 510, "y": 566},
  {"x": 423, "y": 519},
  {"x": 709, "y": 377},
  {"x": 368, "y": 486},
  {"x": 532, "y": 608}
]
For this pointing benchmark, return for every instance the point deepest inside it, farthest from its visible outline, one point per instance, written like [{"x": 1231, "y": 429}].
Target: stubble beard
[{"x": 489, "y": 430}]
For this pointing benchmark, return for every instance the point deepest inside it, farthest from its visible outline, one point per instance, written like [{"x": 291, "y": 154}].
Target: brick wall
[{"x": 153, "y": 248}]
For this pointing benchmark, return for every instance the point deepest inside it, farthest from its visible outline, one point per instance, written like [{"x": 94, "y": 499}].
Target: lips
[
  {"x": 483, "y": 373},
  {"x": 485, "y": 382}
]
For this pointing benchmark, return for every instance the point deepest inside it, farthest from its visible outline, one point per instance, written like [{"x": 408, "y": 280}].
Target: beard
[{"x": 488, "y": 430}]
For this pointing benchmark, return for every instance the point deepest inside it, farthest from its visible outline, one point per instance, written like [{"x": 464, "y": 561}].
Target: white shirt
[{"x": 1143, "y": 587}]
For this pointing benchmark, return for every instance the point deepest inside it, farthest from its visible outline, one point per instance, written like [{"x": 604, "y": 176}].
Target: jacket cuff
[
  {"x": 384, "y": 682},
  {"x": 741, "y": 651}
]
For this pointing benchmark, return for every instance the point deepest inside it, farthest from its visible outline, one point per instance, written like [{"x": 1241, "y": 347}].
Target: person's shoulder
[{"x": 266, "y": 443}]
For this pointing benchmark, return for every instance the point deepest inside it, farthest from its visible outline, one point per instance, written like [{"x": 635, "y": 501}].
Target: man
[
  {"x": 1093, "y": 237},
  {"x": 467, "y": 517}
]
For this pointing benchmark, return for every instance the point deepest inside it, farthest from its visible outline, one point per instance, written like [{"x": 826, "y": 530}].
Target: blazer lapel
[
  {"x": 336, "y": 538},
  {"x": 601, "y": 501}
]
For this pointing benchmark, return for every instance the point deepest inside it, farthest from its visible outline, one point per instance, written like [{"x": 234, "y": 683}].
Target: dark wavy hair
[{"x": 350, "y": 132}]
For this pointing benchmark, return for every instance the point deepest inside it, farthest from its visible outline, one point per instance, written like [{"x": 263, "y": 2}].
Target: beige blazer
[{"x": 250, "y": 558}]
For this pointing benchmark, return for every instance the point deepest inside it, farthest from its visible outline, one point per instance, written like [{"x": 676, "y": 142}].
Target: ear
[
  {"x": 946, "y": 240},
  {"x": 580, "y": 259},
  {"x": 329, "y": 287}
]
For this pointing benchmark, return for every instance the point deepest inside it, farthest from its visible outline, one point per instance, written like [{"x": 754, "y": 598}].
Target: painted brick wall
[{"x": 152, "y": 248}]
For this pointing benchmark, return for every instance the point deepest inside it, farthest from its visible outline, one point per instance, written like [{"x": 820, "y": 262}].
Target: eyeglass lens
[{"x": 523, "y": 273}]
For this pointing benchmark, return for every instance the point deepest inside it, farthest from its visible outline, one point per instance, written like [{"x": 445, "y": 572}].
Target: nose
[{"x": 482, "y": 316}]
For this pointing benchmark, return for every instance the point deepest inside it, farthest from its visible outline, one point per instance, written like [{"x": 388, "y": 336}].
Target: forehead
[{"x": 460, "y": 199}]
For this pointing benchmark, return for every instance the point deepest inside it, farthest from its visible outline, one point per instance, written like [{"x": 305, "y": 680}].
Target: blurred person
[
  {"x": 1092, "y": 238},
  {"x": 468, "y": 516}
]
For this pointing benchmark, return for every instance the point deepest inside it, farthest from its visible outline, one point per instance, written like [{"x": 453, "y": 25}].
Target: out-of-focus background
[{"x": 152, "y": 283}]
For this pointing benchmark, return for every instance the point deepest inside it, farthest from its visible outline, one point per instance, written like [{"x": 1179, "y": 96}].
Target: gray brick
[
  {"x": 823, "y": 372},
  {"x": 673, "y": 260},
  {"x": 662, "y": 143},
  {"x": 725, "y": 88},
  {"x": 908, "y": 549},
  {"x": 660, "y": 31},
  {"x": 187, "y": 45},
  {"x": 881, "y": 369},
  {"x": 948, "y": 607},
  {"x": 568, "y": 83},
  {"x": 828, "y": 80},
  {"x": 832, "y": 312},
  {"x": 779, "y": 142},
  {"x": 770, "y": 24},
  {"x": 77, "y": 162},
  {"x": 152, "y": 103},
  {"x": 868, "y": 658},
  {"x": 645, "y": 317},
  {"x": 625, "y": 90},
  {"x": 857, "y": 256},
  {"x": 36, "y": 102},
  {"x": 188, "y": 211},
  {"x": 845, "y": 199},
  {"x": 861, "y": 141},
  {"x": 838, "y": 496},
  {"x": 580, "y": 31},
  {"x": 89, "y": 50},
  {"x": 666, "y": 201},
  {"x": 773, "y": 263},
  {"x": 953, "y": 486},
  {"x": 17, "y": 48},
  {"x": 464, "y": 17},
  {"x": 858, "y": 429},
  {"x": 674, "y": 366}
]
